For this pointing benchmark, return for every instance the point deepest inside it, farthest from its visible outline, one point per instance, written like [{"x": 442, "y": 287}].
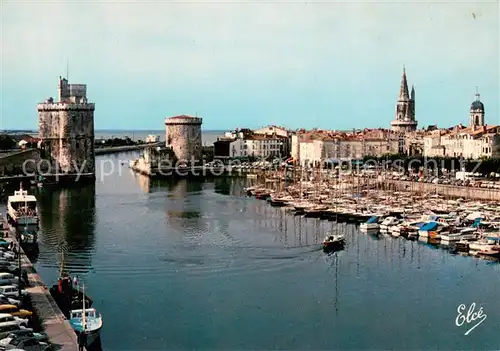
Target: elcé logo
[{"x": 470, "y": 317}]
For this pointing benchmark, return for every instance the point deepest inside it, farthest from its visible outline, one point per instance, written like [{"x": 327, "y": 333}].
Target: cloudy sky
[{"x": 326, "y": 64}]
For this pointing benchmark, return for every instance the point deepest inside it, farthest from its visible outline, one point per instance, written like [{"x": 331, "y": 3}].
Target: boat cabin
[
  {"x": 21, "y": 199},
  {"x": 77, "y": 314}
]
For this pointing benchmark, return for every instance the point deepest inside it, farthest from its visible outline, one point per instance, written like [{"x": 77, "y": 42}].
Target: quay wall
[
  {"x": 52, "y": 319},
  {"x": 446, "y": 190}
]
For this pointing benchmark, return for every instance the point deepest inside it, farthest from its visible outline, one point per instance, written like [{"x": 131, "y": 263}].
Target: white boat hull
[
  {"x": 423, "y": 234},
  {"x": 395, "y": 231},
  {"x": 479, "y": 246},
  {"x": 456, "y": 237},
  {"x": 369, "y": 226}
]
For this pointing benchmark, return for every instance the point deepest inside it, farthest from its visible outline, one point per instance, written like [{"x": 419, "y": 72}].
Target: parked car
[
  {"x": 12, "y": 328},
  {"x": 24, "y": 334},
  {"x": 4, "y": 300},
  {"x": 8, "y": 320},
  {"x": 7, "y": 278},
  {"x": 11, "y": 291},
  {"x": 28, "y": 344}
]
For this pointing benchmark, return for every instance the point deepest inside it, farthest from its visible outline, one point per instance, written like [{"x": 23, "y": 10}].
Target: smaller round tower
[
  {"x": 476, "y": 113},
  {"x": 183, "y": 135}
]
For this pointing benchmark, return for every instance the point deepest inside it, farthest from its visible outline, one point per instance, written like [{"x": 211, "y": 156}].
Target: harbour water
[{"x": 197, "y": 265}]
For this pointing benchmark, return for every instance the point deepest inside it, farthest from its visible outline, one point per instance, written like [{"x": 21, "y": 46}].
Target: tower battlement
[{"x": 63, "y": 106}]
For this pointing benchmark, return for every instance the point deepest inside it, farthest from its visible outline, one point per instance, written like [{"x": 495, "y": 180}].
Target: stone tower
[
  {"x": 183, "y": 135},
  {"x": 405, "y": 108},
  {"x": 476, "y": 113},
  {"x": 66, "y": 130}
]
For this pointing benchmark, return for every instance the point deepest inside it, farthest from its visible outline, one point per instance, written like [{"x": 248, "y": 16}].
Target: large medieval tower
[
  {"x": 66, "y": 130},
  {"x": 405, "y": 109}
]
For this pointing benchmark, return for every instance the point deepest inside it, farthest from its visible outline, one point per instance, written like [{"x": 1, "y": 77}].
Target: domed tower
[{"x": 476, "y": 112}]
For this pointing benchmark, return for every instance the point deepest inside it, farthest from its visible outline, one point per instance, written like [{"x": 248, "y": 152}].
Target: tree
[{"x": 6, "y": 142}]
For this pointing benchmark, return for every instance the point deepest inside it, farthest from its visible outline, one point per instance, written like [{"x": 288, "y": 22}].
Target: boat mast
[
  {"x": 61, "y": 268},
  {"x": 83, "y": 310},
  {"x": 25, "y": 212}
]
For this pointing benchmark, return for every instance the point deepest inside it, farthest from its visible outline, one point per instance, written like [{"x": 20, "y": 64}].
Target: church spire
[{"x": 403, "y": 90}]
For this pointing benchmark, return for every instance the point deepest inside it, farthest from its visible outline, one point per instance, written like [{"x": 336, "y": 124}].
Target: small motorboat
[{"x": 333, "y": 241}]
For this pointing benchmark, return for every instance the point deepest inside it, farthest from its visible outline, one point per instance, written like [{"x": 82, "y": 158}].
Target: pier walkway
[{"x": 53, "y": 322}]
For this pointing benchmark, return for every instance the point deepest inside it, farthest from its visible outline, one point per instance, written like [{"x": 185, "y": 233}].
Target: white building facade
[{"x": 473, "y": 142}]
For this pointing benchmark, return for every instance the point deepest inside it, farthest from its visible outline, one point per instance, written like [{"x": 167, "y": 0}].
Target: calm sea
[{"x": 184, "y": 265}]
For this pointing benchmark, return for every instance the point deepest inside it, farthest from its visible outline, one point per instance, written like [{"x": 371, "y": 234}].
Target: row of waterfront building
[{"x": 475, "y": 141}]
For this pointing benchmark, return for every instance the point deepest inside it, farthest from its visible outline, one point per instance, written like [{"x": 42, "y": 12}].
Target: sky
[{"x": 328, "y": 65}]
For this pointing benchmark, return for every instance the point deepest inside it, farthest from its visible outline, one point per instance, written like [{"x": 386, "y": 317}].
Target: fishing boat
[
  {"x": 22, "y": 208},
  {"x": 333, "y": 242},
  {"x": 66, "y": 293},
  {"x": 87, "y": 321}
]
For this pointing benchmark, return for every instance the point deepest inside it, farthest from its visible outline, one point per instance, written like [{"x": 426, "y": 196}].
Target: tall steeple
[{"x": 403, "y": 90}]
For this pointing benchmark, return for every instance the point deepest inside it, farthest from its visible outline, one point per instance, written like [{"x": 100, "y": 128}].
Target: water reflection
[{"x": 67, "y": 224}]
